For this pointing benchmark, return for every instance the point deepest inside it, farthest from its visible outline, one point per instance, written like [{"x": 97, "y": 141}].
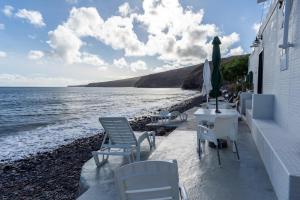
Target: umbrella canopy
[
  {"x": 206, "y": 86},
  {"x": 216, "y": 78}
]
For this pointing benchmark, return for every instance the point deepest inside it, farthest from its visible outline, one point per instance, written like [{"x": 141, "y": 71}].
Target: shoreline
[{"x": 55, "y": 174}]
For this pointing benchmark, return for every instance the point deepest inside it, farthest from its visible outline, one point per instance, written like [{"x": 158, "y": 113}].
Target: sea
[{"x": 40, "y": 119}]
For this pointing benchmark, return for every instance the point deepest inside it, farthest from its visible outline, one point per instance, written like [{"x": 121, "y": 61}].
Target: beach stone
[{"x": 55, "y": 174}]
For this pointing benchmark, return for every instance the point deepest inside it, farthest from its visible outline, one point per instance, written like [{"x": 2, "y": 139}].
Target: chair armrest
[
  {"x": 142, "y": 137},
  {"x": 183, "y": 116},
  {"x": 204, "y": 127},
  {"x": 145, "y": 135},
  {"x": 208, "y": 135},
  {"x": 183, "y": 193}
]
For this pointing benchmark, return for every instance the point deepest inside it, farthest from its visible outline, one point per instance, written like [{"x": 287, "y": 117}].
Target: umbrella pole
[
  {"x": 217, "y": 107},
  {"x": 207, "y": 99}
]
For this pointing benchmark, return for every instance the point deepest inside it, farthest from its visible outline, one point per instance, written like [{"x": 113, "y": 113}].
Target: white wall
[{"x": 285, "y": 85}]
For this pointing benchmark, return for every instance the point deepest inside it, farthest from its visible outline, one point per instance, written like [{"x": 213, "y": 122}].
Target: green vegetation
[{"x": 236, "y": 69}]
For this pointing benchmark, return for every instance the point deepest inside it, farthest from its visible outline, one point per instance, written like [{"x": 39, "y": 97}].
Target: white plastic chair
[
  {"x": 224, "y": 127},
  {"x": 167, "y": 116},
  {"x": 150, "y": 180},
  {"x": 122, "y": 140}
]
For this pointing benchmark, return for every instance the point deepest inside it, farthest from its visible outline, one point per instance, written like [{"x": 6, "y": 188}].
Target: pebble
[{"x": 55, "y": 174}]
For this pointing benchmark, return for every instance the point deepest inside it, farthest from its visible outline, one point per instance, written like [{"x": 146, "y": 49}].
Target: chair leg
[
  {"x": 153, "y": 139},
  {"x": 97, "y": 161},
  {"x": 96, "y": 158},
  {"x": 237, "y": 151},
  {"x": 219, "y": 159},
  {"x": 129, "y": 159},
  {"x": 199, "y": 149},
  {"x": 138, "y": 153},
  {"x": 148, "y": 139}
]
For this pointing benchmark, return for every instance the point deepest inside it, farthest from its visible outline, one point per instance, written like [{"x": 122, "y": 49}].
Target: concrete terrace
[{"x": 246, "y": 179}]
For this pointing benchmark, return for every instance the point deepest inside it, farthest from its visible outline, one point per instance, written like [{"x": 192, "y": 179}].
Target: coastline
[{"x": 55, "y": 174}]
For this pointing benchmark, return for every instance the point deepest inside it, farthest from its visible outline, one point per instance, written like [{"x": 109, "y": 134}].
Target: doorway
[{"x": 260, "y": 73}]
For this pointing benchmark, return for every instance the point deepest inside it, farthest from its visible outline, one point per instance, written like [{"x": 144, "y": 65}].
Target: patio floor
[{"x": 203, "y": 179}]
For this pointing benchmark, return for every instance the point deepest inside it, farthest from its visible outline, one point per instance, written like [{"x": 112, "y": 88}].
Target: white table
[
  {"x": 210, "y": 115},
  {"x": 203, "y": 114}
]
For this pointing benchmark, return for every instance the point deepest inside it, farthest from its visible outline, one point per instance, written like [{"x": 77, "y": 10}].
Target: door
[{"x": 260, "y": 73}]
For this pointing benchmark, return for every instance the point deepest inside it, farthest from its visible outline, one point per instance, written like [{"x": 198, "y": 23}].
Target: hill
[
  {"x": 185, "y": 78},
  {"x": 129, "y": 82}
]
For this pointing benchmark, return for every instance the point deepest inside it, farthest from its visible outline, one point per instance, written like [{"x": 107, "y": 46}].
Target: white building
[{"x": 274, "y": 112}]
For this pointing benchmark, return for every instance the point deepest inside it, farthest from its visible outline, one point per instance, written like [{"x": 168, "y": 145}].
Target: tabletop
[{"x": 211, "y": 112}]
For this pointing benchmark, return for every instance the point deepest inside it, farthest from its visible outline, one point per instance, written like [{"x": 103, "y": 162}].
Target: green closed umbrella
[{"x": 216, "y": 78}]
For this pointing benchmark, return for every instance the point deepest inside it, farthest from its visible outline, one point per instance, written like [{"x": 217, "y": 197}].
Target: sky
[{"x": 65, "y": 42}]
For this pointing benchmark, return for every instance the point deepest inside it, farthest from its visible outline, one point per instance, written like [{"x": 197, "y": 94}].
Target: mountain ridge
[{"x": 186, "y": 78}]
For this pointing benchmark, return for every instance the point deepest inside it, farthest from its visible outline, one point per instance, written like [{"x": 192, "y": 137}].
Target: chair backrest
[
  {"x": 118, "y": 130},
  {"x": 225, "y": 126},
  {"x": 164, "y": 113},
  {"x": 148, "y": 180},
  {"x": 174, "y": 114}
]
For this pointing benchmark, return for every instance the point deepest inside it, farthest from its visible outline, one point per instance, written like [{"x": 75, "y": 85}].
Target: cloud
[
  {"x": 118, "y": 32},
  {"x": 36, "y": 80},
  {"x": 92, "y": 59},
  {"x": 66, "y": 44},
  {"x": 163, "y": 68},
  {"x": 175, "y": 35},
  {"x": 125, "y": 9},
  {"x": 138, "y": 66},
  {"x": 228, "y": 41},
  {"x": 72, "y": 1},
  {"x": 2, "y": 26},
  {"x": 35, "y": 55},
  {"x": 66, "y": 39},
  {"x": 120, "y": 63},
  {"x": 31, "y": 16},
  {"x": 256, "y": 27},
  {"x": 236, "y": 51},
  {"x": 3, "y": 54},
  {"x": 8, "y": 10},
  {"x": 104, "y": 68}
]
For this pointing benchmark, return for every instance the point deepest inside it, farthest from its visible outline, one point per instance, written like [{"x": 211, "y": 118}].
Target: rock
[{"x": 55, "y": 174}]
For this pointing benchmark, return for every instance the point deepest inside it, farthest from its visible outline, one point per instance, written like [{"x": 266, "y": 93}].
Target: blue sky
[{"x": 62, "y": 42}]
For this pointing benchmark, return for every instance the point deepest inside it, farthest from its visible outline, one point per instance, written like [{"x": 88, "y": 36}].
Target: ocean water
[{"x": 40, "y": 119}]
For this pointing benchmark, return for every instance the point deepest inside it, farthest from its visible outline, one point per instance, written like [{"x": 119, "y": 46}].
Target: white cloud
[
  {"x": 118, "y": 32},
  {"x": 236, "y": 51},
  {"x": 65, "y": 44},
  {"x": 228, "y": 41},
  {"x": 66, "y": 39},
  {"x": 138, "y": 65},
  {"x": 3, "y": 54},
  {"x": 92, "y": 59},
  {"x": 256, "y": 27},
  {"x": 163, "y": 68},
  {"x": 35, "y": 55},
  {"x": 120, "y": 63},
  {"x": 104, "y": 68},
  {"x": 125, "y": 9},
  {"x": 8, "y": 10},
  {"x": 72, "y": 1},
  {"x": 36, "y": 80},
  {"x": 174, "y": 34},
  {"x": 31, "y": 16},
  {"x": 177, "y": 35},
  {"x": 2, "y": 26}
]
